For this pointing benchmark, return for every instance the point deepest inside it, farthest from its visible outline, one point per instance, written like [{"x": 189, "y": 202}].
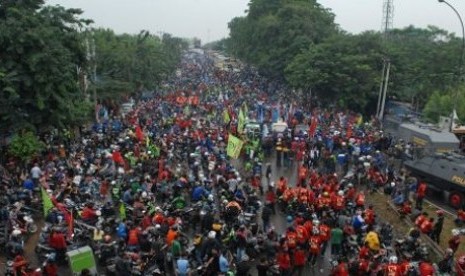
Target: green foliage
[
  {"x": 297, "y": 40},
  {"x": 442, "y": 104},
  {"x": 25, "y": 146},
  {"x": 343, "y": 68},
  {"x": 40, "y": 52},
  {"x": 274, "y": 31},
  {"x": 128, "y": 63}
]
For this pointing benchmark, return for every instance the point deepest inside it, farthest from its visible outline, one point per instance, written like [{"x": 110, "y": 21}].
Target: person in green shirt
[
  {"x": 337, "y": 236},
  {"x": 176, "y": 248},
  {"x": 179, "y": 202}
]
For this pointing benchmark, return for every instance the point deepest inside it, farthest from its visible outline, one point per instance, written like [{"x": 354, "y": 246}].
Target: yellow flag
[
  {"x": 234, "y": 146},
  {"x": 360, "y": 120},
  {"x": 226, "y": 117}
]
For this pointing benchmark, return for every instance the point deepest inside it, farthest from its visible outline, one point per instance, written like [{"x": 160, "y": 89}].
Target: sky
[{"x": 208, "y": 19}]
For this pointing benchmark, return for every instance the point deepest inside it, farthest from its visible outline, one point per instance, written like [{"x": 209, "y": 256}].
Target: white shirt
[{"x": 36, "y": 172}]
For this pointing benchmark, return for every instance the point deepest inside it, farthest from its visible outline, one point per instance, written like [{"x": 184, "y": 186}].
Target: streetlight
[{"x": 460, "y": 74}]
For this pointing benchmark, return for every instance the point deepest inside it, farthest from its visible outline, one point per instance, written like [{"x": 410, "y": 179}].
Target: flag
[
  {"x": 311, "y": 131},
  {"x": 226, "y": 117},
  {"x": 147, "y": 141},
  {"x": 360, "y": 120},
  {"x": 122, "y": 211},
  {"x": 139, "y": 134},
  {"x": 46, "y": 201},
  {"x": 234, "y": 146},
  {"x": 241, "y": 121}
]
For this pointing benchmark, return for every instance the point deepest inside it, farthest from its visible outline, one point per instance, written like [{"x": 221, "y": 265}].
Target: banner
[
  {"x": 234, "y": 146},
  {"x": 241, "y": 121},
  {"x": 46, "y": 201},
  {"x": 226, "y": 118}
]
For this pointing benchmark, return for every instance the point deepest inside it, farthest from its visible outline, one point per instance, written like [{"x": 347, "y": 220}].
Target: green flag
[
  {"x": 241, "y": 121},
  {"x": 122, "y": 211},
  {"x": 47, "y": 202},
  {"x": 234, "y": 146}
]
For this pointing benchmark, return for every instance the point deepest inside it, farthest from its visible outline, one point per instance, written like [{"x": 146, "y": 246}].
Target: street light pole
[{"x": 460, "y": 73}]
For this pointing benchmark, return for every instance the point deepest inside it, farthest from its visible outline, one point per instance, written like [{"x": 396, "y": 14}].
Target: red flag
[
  {"x": 161, "y": 166},
  {"x": 349, "y": 131},
  {"x": 139, "y": 134},
  {"x": 312, "y": 129}
]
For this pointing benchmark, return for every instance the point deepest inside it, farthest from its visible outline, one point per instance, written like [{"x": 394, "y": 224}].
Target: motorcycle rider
[
  {"x": 392, "y": 268},
  {"x": 88, "y": 214},
  {"x": 57, "y": 241}
]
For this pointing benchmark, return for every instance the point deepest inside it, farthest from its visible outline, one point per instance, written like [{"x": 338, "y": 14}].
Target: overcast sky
[{"x": 207, "y": 19}]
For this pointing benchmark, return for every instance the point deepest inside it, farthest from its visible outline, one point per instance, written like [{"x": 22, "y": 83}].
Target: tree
[
  {"x": 41, "y": 49},
  {"x": 343, "y": 69},
  {"x": 130, "y": 63},
  {"x": 275, "y": 31},
  {"x": 24, "y": 146}
]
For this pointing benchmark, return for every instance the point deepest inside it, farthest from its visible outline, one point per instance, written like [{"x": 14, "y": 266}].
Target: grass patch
[{"x": 401, "y": 228}]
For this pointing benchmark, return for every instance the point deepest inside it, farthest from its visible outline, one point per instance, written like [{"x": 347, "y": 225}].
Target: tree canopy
[
  {"x": 45, "y": 60},
  {"x": 299, "y": 42}
]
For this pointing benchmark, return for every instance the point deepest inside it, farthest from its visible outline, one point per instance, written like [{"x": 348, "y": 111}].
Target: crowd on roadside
[{"x": 159, "y": 191}]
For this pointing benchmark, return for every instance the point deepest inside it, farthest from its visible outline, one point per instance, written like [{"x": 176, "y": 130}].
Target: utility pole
[
  {"x": 388, "y": 15},
  {"x": 386, "y": 81}
]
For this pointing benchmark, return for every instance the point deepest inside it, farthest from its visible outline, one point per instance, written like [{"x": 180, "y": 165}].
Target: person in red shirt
[
  {"x": 314, "y": 249},
  {"x": 291, "y": 236},
  {"x": 364, "y": 252},
  {"x": 270, "y": 199},
  {"x": 302, "y": 235},
  {"x": 460, "y": 220},
  {"x": 370, "y": 217},
  {"x": 363, "y": 267},
  {"x": 360, "y": 199},
  {"x": 338, "y": 203},
  {"x": 350, "y": 194},
  {"x": 342, "y": 269},
  {"x": 284, "y": 262},
  {"x": 392, "y": 269},
  {"x": 57, "y": 241},
  {"x": 133, "y": 237},
  {"x": 421, "y": 193},
  {"x": 427, "y": 226},
  {"x": 325, "y": 235},
  {"x": 454, "y": 241},
  {"x": 299, "y": 261},
  {"x": 426, "y": 269},
  {"x": 88, "y": 214},
  {"x": 420, "y": 219}
]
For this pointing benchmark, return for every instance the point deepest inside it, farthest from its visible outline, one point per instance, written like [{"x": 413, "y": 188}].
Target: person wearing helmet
[
  {"x": 392, "y": 268},
  {"x": 338, "y": 202}
]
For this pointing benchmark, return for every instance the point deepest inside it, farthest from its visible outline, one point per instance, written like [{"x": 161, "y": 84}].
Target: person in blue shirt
[
  {"x": 122, "y": 230},
  {"x": 199, "y": 193},
  {"x": 28, "y": 184},
  {"x": 127, "y": 196},
  {"x": 224, "y": 264},
  {"x": 182, "y": 265}
]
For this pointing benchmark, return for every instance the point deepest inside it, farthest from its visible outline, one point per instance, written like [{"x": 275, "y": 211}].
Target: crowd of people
[{"x": 160, "y": 191}]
